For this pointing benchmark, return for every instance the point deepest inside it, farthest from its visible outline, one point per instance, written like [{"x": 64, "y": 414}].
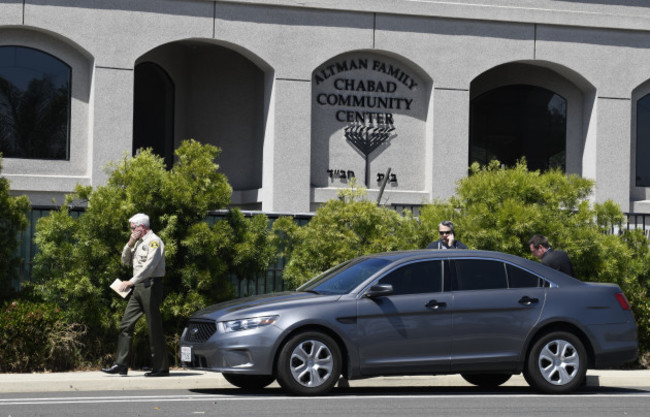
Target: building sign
[
  {"x": 365, "y": 101},
  {"x": 368, "y": 114}
]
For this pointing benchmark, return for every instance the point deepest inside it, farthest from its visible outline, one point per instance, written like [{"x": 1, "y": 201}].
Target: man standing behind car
[
  {"x": 146, "y": 252},
  {"x": 556, "y": 259},
  {"x": 447, "y": 237}
]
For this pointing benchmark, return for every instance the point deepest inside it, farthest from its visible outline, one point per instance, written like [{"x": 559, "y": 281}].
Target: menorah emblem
[{"x": 367, "y": 138}]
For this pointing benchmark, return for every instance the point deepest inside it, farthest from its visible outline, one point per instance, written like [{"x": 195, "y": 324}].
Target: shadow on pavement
[
  {"x": 184, "y": 373},
  {"x": 420, "y": 390}
]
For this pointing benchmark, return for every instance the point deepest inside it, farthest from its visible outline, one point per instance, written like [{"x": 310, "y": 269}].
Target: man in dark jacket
[
  {"x": 556, "y": 259},
  {"x": 447, "y": 238}
]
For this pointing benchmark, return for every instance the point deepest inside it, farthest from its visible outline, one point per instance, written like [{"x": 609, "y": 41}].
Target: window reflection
[
  {"x": 643, "y": 142},
  {"x": 477, "y": 274},
  {"x": 518, "y": 278},
  {"x": 153, "y": 111},
  {"x": 34, "y": 104},
  {"x": 415, "y": 278},
  {"x": 517, "y": 121}
]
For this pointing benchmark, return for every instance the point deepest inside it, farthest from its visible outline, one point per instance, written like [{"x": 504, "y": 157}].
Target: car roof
[{"x": 551, "y": 274}]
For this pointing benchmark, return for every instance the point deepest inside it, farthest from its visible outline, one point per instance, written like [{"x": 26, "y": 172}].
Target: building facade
[{"x": 303, "y": 96}]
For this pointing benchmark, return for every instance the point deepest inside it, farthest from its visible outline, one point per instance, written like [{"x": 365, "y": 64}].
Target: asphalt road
[{"x": 366, "y": 401}]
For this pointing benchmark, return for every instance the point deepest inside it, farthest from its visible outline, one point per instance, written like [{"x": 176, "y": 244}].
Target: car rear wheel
[
  {"x": 309, "y": 364},
  {"x": 557, "y": 363},
  {"x": 486, "y": 380},
  {"x": 249, "y": 382}
]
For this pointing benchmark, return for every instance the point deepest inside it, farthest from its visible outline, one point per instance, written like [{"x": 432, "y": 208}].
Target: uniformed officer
[{"x": 146, "y": 252}]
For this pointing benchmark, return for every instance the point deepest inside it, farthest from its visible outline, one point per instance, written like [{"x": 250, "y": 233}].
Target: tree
[
  {"x": 80, "y": 256},
  {"x": 501, "y": 208},
  {"x": 13, "y": 220},
  {"x": 341, "y": 229}
]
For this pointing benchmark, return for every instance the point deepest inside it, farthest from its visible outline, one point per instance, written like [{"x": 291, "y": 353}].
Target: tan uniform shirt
[{"x": 147, "y": 256}]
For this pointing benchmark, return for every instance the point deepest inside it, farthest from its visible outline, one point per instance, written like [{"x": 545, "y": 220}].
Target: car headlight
[{"x": 248, "y": 323}]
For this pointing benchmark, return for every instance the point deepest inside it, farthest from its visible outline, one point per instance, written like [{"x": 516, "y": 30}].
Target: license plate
[{"x": 186, "y": 353}]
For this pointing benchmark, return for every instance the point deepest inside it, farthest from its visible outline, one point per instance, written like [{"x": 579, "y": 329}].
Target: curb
[{"x": 182, "y": 379}]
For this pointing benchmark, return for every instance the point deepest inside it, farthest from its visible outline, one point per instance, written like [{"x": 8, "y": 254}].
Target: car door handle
[
  {"x": 526, "y": 300},
  {"x": 433, "y": 304}
]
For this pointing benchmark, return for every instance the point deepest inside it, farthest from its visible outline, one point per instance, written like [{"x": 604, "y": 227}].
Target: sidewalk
[{"x": 187, "y": 379}]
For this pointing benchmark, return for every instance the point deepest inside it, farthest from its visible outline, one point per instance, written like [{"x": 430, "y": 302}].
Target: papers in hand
[{"x": 116, "y": 287}]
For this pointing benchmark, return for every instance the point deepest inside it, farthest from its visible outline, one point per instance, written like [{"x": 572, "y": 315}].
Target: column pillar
[
  {"x": 286, "y": 186},
  {"x": 613, "y": 151},
  {"x": 112, "y": 135},
  {"x": 449, "y": 154}
]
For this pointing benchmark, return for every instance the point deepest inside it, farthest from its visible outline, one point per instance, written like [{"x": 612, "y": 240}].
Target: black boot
[{"x": 116, "y": 369}]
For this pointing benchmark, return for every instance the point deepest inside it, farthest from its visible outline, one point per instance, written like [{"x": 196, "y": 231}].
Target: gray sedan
[{"x": 484, "y": 315}]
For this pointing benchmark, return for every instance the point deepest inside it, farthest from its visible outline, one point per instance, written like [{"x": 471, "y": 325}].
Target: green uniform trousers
[{"x": 146, "y": 299}]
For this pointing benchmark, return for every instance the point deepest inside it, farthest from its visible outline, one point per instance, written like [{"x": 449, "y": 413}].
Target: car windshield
[{"x": 345, "y": 277}]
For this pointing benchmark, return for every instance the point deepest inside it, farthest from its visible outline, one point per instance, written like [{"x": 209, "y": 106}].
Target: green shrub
[
  {"x": 36, "y": 337},
  {"x": 341, "y": 229},
  {"x": 637, "y": 286},
  {"x": 79, "y": 257},
  {"x": 13, "y": 219}
]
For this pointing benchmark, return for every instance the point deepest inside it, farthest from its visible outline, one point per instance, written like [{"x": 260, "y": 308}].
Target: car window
[
  {"x": 479, "y": 274},
  {"x": 519, "y": 278},
  {"x": 415, "y": 278},
  {"x": 344, "y": 278}
]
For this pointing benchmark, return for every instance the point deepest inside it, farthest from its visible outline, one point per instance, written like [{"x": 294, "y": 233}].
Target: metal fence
[
  {"x": 27, "y": 247},
  {"x": 636, "y": 221},
  {"x": 271, "y": 279},
  {"x": 268, "y": 281}
]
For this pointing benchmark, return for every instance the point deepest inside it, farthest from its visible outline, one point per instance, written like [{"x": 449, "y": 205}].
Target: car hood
[{"x": 260, "y": 303}]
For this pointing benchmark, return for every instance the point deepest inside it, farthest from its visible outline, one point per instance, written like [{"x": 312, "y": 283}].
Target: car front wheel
[
  {"x": 249, "y": 382},
  {"x": 309, "y": 364},
  {"x": 557, "y": 363}
]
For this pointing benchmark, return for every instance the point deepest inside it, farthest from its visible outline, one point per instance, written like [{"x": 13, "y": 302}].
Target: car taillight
[{"x": 622, "y": 300}]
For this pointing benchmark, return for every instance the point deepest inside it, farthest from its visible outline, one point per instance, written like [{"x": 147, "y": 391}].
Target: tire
[
  {"x": 486, "y": 380},
  {"x": 249, "y": 382},
  {"x": 557, "y": 363},
  {"x": 309, "y": 364}
]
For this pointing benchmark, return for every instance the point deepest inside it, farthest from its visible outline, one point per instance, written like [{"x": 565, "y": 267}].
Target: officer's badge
[{"x": 154, "y": 245}]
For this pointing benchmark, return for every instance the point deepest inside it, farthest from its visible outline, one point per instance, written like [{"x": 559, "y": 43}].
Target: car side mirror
[{"x": 379, "y": 290}]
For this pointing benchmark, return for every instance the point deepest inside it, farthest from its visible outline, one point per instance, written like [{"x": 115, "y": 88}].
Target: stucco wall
[{"x": 594, "y": 52}]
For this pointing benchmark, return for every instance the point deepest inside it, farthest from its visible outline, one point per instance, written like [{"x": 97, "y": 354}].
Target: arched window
[
  {"x": 34, "y": 104},
  {"x": 153, "y": 111},
  {"x": 643, "y": 141},
  {"x": 517, "y": 121}
]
